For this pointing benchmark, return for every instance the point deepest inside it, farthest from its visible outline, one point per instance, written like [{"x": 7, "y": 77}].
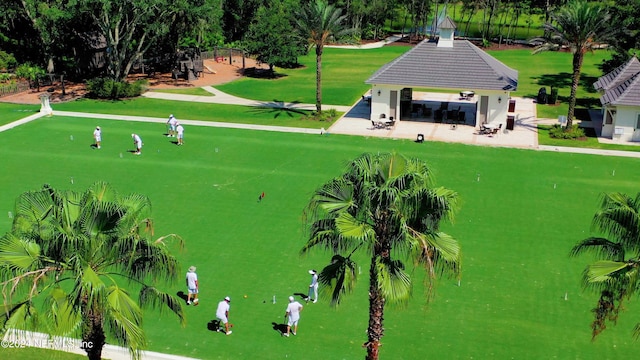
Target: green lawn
[
  {"x": 343, "y": 74},
  {"x": 26, "y": 353},
  {"x": 13, "y": 112},
  {"x": 196, "y": 111},
  {"x": 522, "y": 211}
]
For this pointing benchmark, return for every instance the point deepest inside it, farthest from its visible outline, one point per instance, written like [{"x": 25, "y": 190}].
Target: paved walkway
[
  {"x": 20, "y": 339},
  {"x": 356, "y": 122}
]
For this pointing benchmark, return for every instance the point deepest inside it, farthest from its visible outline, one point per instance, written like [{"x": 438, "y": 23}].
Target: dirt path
[{"x": 223, "y": 73}]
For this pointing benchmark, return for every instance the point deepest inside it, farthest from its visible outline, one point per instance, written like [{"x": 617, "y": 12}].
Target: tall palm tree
[
  {"x": 65, "y": 261},
  {"x": 385, "y": 206},
  {"x": 615, "y": 274},
  {"x": 579, "y": 25},
  {"x": 319, "y": 22}
]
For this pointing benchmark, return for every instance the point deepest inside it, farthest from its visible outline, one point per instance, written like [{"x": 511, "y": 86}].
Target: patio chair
[
  {"x": 390, "y": 124},
  {"x": 495, "y": 131}
]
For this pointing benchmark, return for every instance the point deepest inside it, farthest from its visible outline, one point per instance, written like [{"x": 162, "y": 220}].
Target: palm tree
[
  {"x": 615, "y": 274},
  {"x": 385, "y": 206},
  {"x": 64, "y": 262},
  {"x": 319, "y": 22},
  {"x": 580, "y": 26}
]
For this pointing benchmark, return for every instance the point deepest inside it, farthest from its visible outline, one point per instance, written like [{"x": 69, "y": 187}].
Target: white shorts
[
  {"x": 293, "y": 322},
  {"x": 193, "y": 291},
  {"x": 223, "y": 319}
]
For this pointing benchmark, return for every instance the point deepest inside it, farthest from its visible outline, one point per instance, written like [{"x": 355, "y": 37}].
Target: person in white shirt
[
  {"x": 172, "y": 122},
  {"x": 293, "y": 315},
  {"x": 222, "y": 314},
  {"x": 192, "y": 286},
  {"x": 180, "y": 131},
  {"x": 97, "y": 136},
  {"x": 137, "y": 142},
  {"x": 313, "y": 287}
]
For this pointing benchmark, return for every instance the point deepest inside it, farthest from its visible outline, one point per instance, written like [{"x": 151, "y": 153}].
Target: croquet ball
[{"x": 245, "y": 296}]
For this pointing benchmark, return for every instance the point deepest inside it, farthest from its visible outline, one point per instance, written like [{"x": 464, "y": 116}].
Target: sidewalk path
[
  {"x": 190, "y": 122},
  {"x": 19, "y": 339},
  {"x": 224, "y": 98},
  {"x": 373, "y": 45}
]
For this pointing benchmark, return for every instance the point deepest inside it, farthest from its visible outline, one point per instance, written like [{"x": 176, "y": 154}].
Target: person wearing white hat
[
  {"x": 180, "y": 132},
  {"x": 137, "y": 142},
  {"x": 292, "y": 315},
  {"x": 172, "y": 122},
  {"x": 97, "y": 136},
  {"x": 313, "y": 287},
  {"x": 222, "y": 313},
  {"x": 192, "y": 286}
]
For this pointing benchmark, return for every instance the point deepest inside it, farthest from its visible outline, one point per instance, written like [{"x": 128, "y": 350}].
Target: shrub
[
  {"x": 7, "y": 61},
  {"x": 558, "y": 132},
  {"x": 103, "y": 88},
  {"x": 553, "y": 96},
  {"x": 30, "y": 72},
  {"x": 325, "y": 115},
  {"x": 5, "y": 77}
]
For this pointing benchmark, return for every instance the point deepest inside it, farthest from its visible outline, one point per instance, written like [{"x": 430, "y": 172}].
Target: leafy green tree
[
  {"x": 7, "y": 61},
  {"x": 626, "y": 42},
  {"x": 128, "y": 27},
  {"x": 580, "y": 26},
  {"x": 271, "y": 36},
  {"x": 237, "y": 16},
  {"x": 319, "y": 23},
  {"x": 386, "y": 207},
  {"x": 65, "y": 261},
  {"x": 615, "y": 273},
  {"x": 47, "y": 18}
]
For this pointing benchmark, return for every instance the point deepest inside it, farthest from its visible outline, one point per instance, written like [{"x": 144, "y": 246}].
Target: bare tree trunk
[
  {"x": 578, "y": 57},
  {"x": 93, "y": 338},
  {"x": 375, "y": 331},
  {"x": 318, "y": 79}
]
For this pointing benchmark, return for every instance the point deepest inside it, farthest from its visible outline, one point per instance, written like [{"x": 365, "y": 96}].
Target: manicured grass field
[
  {"x": 196, "y": 111},
  {"x": 12, "y": 112},
  {"x": 522, "y": 211},
  {"x": 343, "y": 74}
]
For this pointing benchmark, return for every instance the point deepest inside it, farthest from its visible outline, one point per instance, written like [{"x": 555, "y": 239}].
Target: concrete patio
[{"x": 524, "y": 134}]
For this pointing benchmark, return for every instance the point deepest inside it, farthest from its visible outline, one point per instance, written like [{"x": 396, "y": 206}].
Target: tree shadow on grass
[
  {"x": 563, "y": 80},
  {"x": 280, "y": 108},
  {"x": 258, "y": 73}
]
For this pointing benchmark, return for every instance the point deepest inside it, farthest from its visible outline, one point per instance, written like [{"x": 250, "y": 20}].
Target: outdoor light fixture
[{"x": 378, "y": 92}]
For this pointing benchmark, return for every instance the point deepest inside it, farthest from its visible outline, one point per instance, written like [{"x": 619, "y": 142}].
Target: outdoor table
[{"x": 467, "y": 95}]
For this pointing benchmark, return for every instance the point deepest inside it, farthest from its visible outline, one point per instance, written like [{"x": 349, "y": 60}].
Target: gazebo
[{"x": 445, "y": 64}]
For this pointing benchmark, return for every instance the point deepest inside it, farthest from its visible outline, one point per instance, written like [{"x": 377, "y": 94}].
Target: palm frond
[
  {"x": 124, "y": 318},
  {"x": 350, "y": 227},
  {"x": 601, "y": 271},
  {"x": 17, "y": 254},
  {"x": 152, "y": 297},
  {"x": 600, "y": 247},
  {"x": 20, "y": 316},
  {"x": 394, "y": 283},
  {"x": 63, "y": 317},
  {"x": 338, "y": 278}
]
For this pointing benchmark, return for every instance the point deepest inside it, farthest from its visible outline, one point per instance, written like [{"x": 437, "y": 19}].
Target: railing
[{"x": 13, "y": 88}]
